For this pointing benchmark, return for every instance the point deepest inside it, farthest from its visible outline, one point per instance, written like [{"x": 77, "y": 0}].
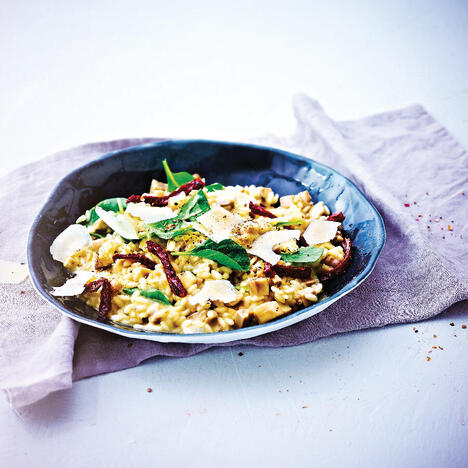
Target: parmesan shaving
[
  {"x": 73, "y": 286},
  {"x": 263, "y": 245},
  {"x": 12, "y": 272},
  {"x": 215, "y": 290},
  {"x": 118, "y": 223},
  {"x": 149, "y": 214},
  {"x": 217, "y": 224},
  {"x": 72, "y": 239},
  {"x": 319, "y": 231}
]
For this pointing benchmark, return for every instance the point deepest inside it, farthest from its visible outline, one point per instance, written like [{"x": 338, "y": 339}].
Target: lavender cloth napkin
[{"x": 405, "y": 162}]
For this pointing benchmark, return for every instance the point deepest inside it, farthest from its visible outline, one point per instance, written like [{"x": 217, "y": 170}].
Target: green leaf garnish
[
  {"x": 304, "y": 255},
  {"x": 175, "y": 180},
  {"x": 214, "y": 187},
  {"x": 110, "y": 204},
  {"x": 153, "y": 294},
  {"x": 226, "y": 253},
  {"x": 292, "y": 222},
  {"x": 196, "y": 205}
]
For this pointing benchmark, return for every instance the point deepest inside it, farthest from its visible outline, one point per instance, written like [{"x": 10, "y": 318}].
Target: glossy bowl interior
[{"x": 129, "y": 171}]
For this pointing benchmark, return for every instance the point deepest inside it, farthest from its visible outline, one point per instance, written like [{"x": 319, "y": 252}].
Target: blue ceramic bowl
[{"x": 129, "y": 171}]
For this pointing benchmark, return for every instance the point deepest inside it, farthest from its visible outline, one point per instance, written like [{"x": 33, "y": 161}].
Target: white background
[{"x": 82, "y": 71}]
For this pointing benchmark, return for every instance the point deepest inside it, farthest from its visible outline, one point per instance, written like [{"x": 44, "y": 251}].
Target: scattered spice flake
[
  {"x": 434, "y": 347},
  {"x": 427, "y": 193},
  {"x": 130, "y": 345},
  {"x": 240, "y": 353},
  {"x": 305, "y": 406},
  {"x": 417, "y": 219},
  {"x": 436, "y": 220},
  {"x": 449, "y": 227},
  {"x": 443, "y": 237},
  {"x": 463, "y": 326},
  {"x": 416, "y": 331},
  {"x": 434, "y": 336},
  {"x": 22, "y": 292},
  {"x": 428, "y": 358},
  {"x": 414, "y": 203},
  {"x": 440, "y": 347},
  {"x": 463, "y": 193},
  {"x": 407, "y": 205},
  {"x": 430, "y": 351},
  {"x": 149, "y": 389},
  {"x": 452, "y": 324},
  {"x": 419, "y": 215}
]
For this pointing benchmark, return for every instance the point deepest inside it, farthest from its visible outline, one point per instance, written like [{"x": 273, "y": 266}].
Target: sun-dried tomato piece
[
  {"x": 338, "y": 216},
  {"x": 136, "y": 257},
  {"x": 174, "y": 282},
  {"x": 105, "y": 302},
  {"x": 343, "y": 265},
  {"x": 156, "y": 201},
  {"x": 134, "y": 199},
  {"x": 259, "y": 210},
  {"x": 268, "y": 270},
  {"x": 292, "y": 271},
  {"x": 164, "y": 200}
]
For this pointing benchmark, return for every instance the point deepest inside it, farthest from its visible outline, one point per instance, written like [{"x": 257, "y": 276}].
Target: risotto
[{"x": 188, "y": 257}]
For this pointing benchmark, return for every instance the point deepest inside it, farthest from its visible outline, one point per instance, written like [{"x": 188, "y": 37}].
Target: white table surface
[{"x": 75, "y": 72}]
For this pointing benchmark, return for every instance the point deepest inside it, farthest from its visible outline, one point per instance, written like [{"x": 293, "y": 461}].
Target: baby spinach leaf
[
  {"x": 110, "y": 204},
  {"x": 292, "y": 222},
  {"x": 153, "y": 294},
  {"x": 196, "y": 205},
  {"x": 175, "y": 180},
  {"x": 226, "y": 253},
  {"x": 214, "y": 187},
  {"x": 304, "y": 255},
  {"x": 169, "y": 231}
]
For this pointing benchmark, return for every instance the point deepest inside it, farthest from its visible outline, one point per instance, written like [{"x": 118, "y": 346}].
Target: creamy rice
[{"x": 259, "y": 298}]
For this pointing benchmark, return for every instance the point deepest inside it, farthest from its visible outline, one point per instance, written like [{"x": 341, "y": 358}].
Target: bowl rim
[{"x": 215, "y": 337}]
